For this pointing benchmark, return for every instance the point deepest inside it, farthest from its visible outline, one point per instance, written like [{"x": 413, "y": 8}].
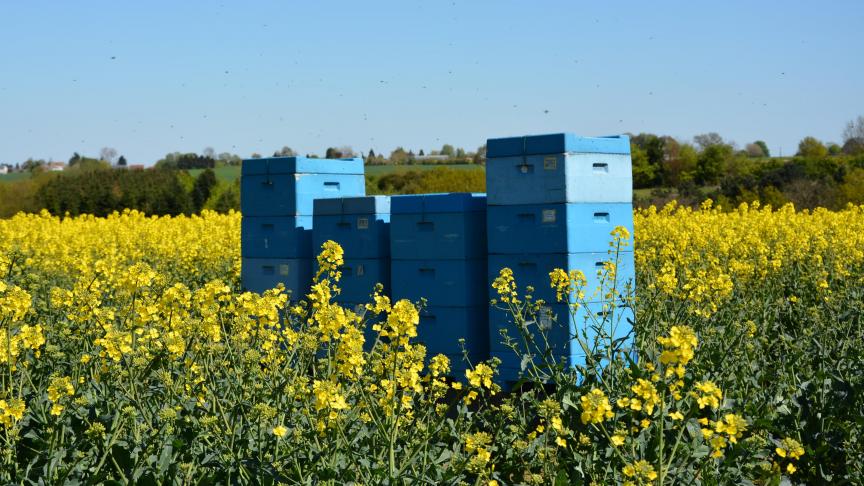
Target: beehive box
[
  {"x": 359, "y": 277},
  {"x": 438, "y": 226},
  {"x": 276, "y": 198},
  {"x": 558, "y": 168},
  {"x": 260, "y": 274},
  {"x": 441, "y": 328},
  {"x": 533, "y": 269},
  {"x": 276, "y": 237},
  {"x": 555, "y": 228},
  {"x": 562, "y": 325},
  {"x": 452, "y": 283},
  {"x": 361, "y": 225},
  {"x": 287, "y": 186}
]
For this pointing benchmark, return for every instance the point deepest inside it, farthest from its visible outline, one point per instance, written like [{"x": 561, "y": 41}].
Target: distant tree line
[
  {"x": 818, "y": 175},
  {"x": 101, "y": 191},
  {"x": 664, "y": 168}
]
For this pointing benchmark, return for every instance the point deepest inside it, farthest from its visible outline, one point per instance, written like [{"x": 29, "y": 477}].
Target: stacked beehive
[
  {"x": 553, "y": 201},
  {"x": 276, "y": 197},
  {"x": 362, "y": 226},
  {"x": 438, "y": 252}
]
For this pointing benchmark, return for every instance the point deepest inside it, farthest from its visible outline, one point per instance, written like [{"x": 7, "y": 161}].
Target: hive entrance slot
[{"x": 601, "y": 217}]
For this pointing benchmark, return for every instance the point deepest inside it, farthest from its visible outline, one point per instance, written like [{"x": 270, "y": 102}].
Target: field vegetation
[{"x": 129, "y": 354}]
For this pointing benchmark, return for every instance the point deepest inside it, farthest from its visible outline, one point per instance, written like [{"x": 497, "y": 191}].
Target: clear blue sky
[{"x": 153, "y": 77}]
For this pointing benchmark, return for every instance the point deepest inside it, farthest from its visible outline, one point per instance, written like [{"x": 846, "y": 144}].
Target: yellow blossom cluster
[
  {"x": 790, "y": 450},
  {"x": 595, "y": 407},
  {"x": 11, "y": 411},
  {"x": 639, "y": 472},
  {"x": 701, "y": 256},
  {"x": 194, "y": 248},
  {"x": 58, "y": 390},
  {"x": 725, "y": 431},
  {"x": 505, "y": 286},
  {"x": 477, "y": 445},
  {"x": 566, "y": 284}
]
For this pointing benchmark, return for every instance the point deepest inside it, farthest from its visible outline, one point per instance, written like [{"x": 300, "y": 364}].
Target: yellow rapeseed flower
[{"x": 595, "y": 407}]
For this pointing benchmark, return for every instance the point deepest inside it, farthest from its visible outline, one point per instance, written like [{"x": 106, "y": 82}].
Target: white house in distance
[
  {"x": 55, "y": 166},
  {"x": 4, "y": 169}
]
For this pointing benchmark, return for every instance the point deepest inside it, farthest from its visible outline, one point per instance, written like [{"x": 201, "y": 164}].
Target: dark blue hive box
[
  {"x": 260, "y": 274},
  {"x": 361, "y": 225},
  {"x": 438, "y": 226}
]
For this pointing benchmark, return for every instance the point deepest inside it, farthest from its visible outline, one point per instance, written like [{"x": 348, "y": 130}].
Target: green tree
[
  {"x": 853, "y": 146},
  {"x": 680, "y": 164},
  {"x": 32, "y": 165},
  {"x": 285, "y": 151},
  {"x": 755, "y": 150},
  {"x": 810, "y": 147},
  {"x": 89, "y": 164},
  {"x": 448, "y": 150},
  {"x": 710, "y": 162},
  {"x": 644, "y": 173},
  {"x": 204, "y": 184},
  {"x": 480, "y": 155},
  {"x": 765, "y": 151},
  {"x": 398, "y": 156},
  {"x": 225, "y": 197},
  {"x": 852, "y": 189},
  {"x": 653, "y": 147},
  {"x": 706, "y": 140},
  {"x": 121, "y": 162}
]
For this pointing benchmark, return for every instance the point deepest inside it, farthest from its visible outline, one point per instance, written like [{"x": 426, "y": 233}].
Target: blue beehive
[
  {"x": 441, "y": 328},
  {"x": 260, "y": 274},
  {"x": 274, "y": 237},
  {"x": 359, "y": 277},
  {"x": 438, "y": 226},
  {"x": 555, "y": 228},
  {"x": 556, "y": 143},
  {"x": 438, "y": 251},
  {"x": 287, "y": 186},
  {"x": 276, "y": 199},
  {"x": 562, "y": 325},
  {"x": 553, "y": 202},
  {"x": 558, "y": 168},
  {"x": 533, "y": 269},
  {"x": 452, "y": 283},
  {"x": 360, "y": 224}
]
